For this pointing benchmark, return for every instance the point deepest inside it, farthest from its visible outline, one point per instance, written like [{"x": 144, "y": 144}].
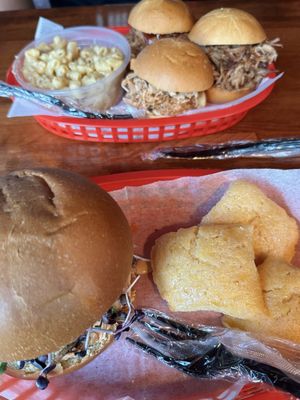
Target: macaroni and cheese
[{"x": 63, "y": 64}]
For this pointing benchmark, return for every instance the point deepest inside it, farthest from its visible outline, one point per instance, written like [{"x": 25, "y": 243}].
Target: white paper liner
[
  {"x": 265, "y": 84},
  {"x": 22, "y": 108},
  {"x": 165, "y": 206},
  {"x": 46, "y": 27}
]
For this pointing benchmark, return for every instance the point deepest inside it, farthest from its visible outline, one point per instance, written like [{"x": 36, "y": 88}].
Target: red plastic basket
[
  {"x": 17, "y": 389},
  {"x": 147, "y": 130}
]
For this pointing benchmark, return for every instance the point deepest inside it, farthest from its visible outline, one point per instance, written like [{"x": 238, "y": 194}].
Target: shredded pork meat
[
  {"x": 237, "y": 67},
  {"x": 139, "y": 40},
  {"x": 155, "y": 102}
]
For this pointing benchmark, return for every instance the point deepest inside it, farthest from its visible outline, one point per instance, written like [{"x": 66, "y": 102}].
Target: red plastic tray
[
  {"x": 147, "y": 130},
  {"x": 25, "y": 390}
]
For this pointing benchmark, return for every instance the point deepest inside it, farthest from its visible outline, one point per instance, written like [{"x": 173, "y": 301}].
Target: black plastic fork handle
[
  {"x": 221, "y": 359},
  {"x": 231, "y": 150},
  {"x": 199, "y": 366},
  {"x": 161, "y": 357},
  {"x": 219, "y": 362},
  {"x": 274, "y": 376}
]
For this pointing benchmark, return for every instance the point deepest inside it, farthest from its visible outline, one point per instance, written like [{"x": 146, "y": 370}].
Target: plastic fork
[
  {"x": 198, "y": 352},
  {"x": 282, "y": 147}
]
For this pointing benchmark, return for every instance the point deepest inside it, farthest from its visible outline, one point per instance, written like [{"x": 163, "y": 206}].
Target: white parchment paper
[{"x": 164, "y": 206}]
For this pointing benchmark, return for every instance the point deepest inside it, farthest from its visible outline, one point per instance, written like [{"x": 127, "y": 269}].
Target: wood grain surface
[{"x": 23, "y": 143}]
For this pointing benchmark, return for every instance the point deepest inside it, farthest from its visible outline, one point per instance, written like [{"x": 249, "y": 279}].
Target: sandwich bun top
[
  {"x": 66, "y": 254},
  {"x": 161, "y": 17},
  {"x": 227, "y": 26},
  {"x": 174, "y": 66}
]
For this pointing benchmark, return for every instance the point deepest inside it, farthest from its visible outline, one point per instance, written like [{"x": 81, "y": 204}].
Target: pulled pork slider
[
  {"x": 238, "y": 48},
  {"x": 169, "y": 77},
  {"x": 66, "y": 255},
  {"x": 156, "y": 19}
]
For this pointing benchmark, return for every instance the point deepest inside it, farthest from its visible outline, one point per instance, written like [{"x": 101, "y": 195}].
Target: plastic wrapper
[
  {"x": 85, "y": 98},
  {"x": 207, "y": 352},
  {"x": 277, "y": 148}
]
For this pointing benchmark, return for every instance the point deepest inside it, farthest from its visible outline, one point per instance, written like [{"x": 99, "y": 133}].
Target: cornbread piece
[
  {"x": 209, "y": 268},
  {"x": 275, "y": 233},
  {"x": 281, "y": 287}
]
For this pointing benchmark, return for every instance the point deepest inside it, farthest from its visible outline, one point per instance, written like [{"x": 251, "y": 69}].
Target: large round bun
[
  {"x": 66, "y": 255},
  {"x": 217, "y": 95},
  {"x": 227, "y": 26},
  {"x": 174, "y": 66},
  {"x": 161, "y": 17}
]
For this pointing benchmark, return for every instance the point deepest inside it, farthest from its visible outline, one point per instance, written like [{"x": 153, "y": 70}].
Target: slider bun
[
  {"x": 216, "y": 95},
  {"x": 66, "y": 254},
  {"x": 227, "y": 26},
  {"x": 161, "y": 17},
  {"x": 174, "y": 66}
]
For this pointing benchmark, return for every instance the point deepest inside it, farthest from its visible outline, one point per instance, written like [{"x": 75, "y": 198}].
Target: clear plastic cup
[{"x": 98, "y": 96}]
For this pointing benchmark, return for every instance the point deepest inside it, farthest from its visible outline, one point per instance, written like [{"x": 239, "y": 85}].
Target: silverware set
[
  {"x": 284, "y": 147},
  {"x": 199, "y": 352},
  {"x": 49, "y": 101}
]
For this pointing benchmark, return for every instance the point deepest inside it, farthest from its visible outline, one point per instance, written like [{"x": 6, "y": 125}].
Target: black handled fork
[{"x": 198, "y": 352}]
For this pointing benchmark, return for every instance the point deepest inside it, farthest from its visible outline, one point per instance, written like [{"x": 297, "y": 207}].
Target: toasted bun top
[
  {"x": 174, "y": 66},
  {"x": 161, "y": 17},
  {"x": 66, "y": 255},
  {"x": 227, "y": 26}
]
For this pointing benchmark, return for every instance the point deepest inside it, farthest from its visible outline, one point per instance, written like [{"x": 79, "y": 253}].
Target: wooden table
[{"x": 23, "y": 143}]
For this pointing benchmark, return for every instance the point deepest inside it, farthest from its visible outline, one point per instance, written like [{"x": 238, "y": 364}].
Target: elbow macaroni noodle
[{"x": 62, "y": 64}]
